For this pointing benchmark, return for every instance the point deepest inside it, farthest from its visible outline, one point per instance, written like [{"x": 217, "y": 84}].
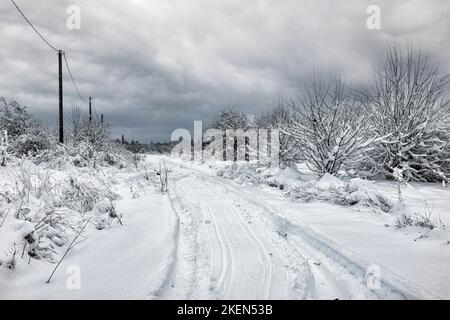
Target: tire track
[
  {"x": 261, "y": 250},
  {"x": 236, "y": 240},
  {"x": 348, "y": 274}
]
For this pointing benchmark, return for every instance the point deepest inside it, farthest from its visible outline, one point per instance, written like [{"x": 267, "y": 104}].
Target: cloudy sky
[{"x": 156, "y": 65}]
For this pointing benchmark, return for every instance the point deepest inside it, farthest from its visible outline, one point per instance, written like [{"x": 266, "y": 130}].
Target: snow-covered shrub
[
  {"x": 248, "y": 173},
  {"x": 38, "y": 232},
  {"x": 53, "y": 227},
  {"x": 330, "y": 126},
  {"x": 331, "y": 189},
  {"x": 364, "y": 192},
  {"x": 276, "y": 118},
  {"x": 230, "y": 119},
  {"x": 88, "y": 129},
  {"x": 34, "y": 140},
  {"x": 54, "y": 207},
  {"x": 242, "y": 173},
  {"x": 162, "y": 177},
  {"x": 83, "y": 154},
  {"x": 16, "y": 239},
  {"x": 104, "y": 213},
  {"x": 88, "y": 144},
  {"x": 409, "y": 109},
  {"x": 423, "y": 219},
  {"x": 13, "y": 117},
  {"x": 34, "y": 198},
  {"x": 83, "y": 196},
  {"x": 26, "y": 136}
]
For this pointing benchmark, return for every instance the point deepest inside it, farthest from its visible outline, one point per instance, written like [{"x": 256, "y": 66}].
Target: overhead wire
[
  {"x": 71, "y": 77},
  {"x": 34, "y": 28},
  {"x": 51, "y": 47}
]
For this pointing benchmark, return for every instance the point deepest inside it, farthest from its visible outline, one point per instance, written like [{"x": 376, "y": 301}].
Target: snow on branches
[
  {"x": 330, "y": 127},
  {"x": 408, "y": 106}
]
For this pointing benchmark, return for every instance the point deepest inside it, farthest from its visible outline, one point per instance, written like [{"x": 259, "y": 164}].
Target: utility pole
[
  {"x": 90, "y": 109},
  {"x": 61, "y": 108}
]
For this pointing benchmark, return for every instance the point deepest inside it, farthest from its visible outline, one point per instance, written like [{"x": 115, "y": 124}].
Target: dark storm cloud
[{"x": 153, "y": 66}]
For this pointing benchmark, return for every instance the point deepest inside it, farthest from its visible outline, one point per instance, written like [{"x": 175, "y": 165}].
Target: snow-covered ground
[{"x": 219, "y": 236}]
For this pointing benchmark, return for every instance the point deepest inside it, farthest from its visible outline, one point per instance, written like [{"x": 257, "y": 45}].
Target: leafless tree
[
  {"x": 408, "y": 105},
  {"x": 230, "y": 119},
  {"x": 330, "y": 126},
  {"x": 76, "y": 120},
  {"x": 276, "y": 118}
]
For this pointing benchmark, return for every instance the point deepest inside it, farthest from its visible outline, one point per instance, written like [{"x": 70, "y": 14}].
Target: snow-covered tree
[
  {"x": 89, "y": 131},
  {"x": 276, "y": 118},
  {"x": 13, "y": 117},
  {"x": 26, "y": 135},
  {"x": 330, "y": 126},
  {"x": 409, "y": 108},
  {"x": 76, "y": 123},
  {"x": 230, "y": 120},
  {"x": 36, "y": 138}
]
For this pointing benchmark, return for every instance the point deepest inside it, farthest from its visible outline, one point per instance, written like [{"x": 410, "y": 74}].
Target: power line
[
  {"x": 51, "y": 46},
  {"x": 33, "y": 27},
  {"x": 60, "y": 54},
  {"x": 71, "y": 77}
]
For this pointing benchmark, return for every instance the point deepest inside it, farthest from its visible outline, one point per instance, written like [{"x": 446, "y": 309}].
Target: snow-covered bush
[
  {"x": 331, "y": 189},
  {"x": 330, "y": 126},
  {"x": 256, "y": 174},
  {"x": 90, "y": 130},
  {"x": 243, "y": 173},
  {"x": 16, "y": 239},
  {"x": 83, "y": 196},
  {"x": 31, "y": 203},
  {"x": 276, "y": 118},
  {"x": 230, "y": 119},
  {"x": 13, "y": 117},
  {"x": 83, "y": 154},
  {"x": 26, "y": 136},
  {"x": 423, "y": 219},
  {"x": 410, "y": 111},
  {"x": 35, "y": 139},
  {"x": 104, "y": 213},
  {"x": 54, "y": 207},
  {"x": 162, "y": 177}
]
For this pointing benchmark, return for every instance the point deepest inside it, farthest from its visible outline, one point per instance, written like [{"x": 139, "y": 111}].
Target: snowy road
[
  {"x": 210, "y": 238},
  {"x": 235, "y": 247}
]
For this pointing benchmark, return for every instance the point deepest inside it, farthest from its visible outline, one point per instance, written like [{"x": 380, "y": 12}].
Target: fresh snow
[{"x": 221, "y": 233}]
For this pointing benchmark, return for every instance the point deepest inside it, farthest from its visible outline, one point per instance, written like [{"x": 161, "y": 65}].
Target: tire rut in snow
[
  {"x": 264, "y": 290},
  {"x": 347, "y": 274},
  {"x": 273, "y": 267},
  {"x": 250, "y": 274},
  {"x": 181, "y": 280}
]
